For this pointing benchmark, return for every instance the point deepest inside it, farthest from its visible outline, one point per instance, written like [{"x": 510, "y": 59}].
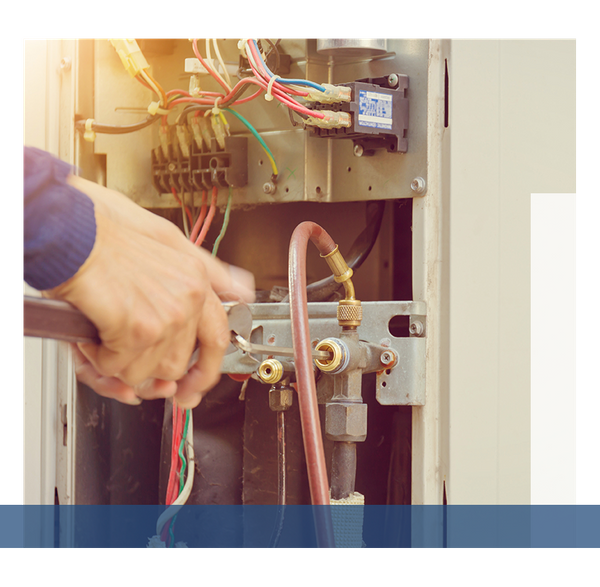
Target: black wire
[
  {"x": 118, "y": 130},
  {"x": 359, "y": 251},
  {"x": 277, "y": 56}
]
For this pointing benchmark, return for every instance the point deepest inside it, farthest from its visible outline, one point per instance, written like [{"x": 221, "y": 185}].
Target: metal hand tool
[
  {"x": 58, "y": 320},
  {"x": 262, "y": 349}
]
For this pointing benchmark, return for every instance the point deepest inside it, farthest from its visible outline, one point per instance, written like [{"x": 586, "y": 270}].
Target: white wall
[{"x": 512, "y": 133}]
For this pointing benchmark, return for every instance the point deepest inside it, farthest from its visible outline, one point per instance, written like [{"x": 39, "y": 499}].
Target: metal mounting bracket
[{"x": 402, "y": 385}]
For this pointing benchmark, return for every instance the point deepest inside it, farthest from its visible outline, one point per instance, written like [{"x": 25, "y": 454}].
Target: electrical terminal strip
[
  {"x": 219, "y": 130},
  {"x": 164, "y": 135},
  {"x": 331, "y": 95},
  {"x": 183, "y": 136},
  {"x": 330, "y": 120},
  {"x": 201, "y": 131},
  {"x": 131, "y": 55}
]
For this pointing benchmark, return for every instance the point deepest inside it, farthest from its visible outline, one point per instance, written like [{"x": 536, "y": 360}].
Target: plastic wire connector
[
  {"x": 164, "y": 135},
  {"x": 330, "y": 119},
  {"x": 183, "y": 136},
  {"x": 154, "y": 108},
  {"x": 131, "y": 55},
  {"x": 269, "y": 95},
  {"x": 89, "y": 135},
  {"x": 242, "y": 47},
  {"x": 331, "y": 95}
]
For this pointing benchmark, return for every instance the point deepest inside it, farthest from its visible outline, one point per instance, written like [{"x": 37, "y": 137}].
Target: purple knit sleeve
[{"x": 60, "y": 226}]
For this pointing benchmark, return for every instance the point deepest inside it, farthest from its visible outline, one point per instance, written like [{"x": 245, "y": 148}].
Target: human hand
[{"x": 152, "y": 294}]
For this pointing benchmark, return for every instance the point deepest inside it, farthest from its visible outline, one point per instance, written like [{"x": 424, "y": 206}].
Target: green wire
[
  {"x": 225, "y": 224},
  {"x": 183, "y": 466},
  {"x": 258, "y": 137}
]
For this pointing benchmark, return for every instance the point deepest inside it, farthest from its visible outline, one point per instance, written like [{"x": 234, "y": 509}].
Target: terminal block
[
  {"x": 204, "y": 167},
  {"x": 379, "y": 115}
]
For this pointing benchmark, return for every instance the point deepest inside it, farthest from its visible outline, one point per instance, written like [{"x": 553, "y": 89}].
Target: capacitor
[{"x": 352, "y": 46}]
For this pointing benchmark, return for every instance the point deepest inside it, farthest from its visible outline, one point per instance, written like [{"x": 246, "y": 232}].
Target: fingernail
[{"x": 136, "y": 401}]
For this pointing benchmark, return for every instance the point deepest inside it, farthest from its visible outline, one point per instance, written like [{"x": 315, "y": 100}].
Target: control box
[{"x": 379, "y": 115}]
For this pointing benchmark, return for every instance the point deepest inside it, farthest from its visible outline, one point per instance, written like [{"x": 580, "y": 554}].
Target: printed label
[{"x": 374, "y": 109}]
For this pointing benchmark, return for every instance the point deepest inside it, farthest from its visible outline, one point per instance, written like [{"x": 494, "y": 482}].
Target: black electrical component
[
  {"x": 203, "y": 169},
  {"x": 379, "y": 113}
]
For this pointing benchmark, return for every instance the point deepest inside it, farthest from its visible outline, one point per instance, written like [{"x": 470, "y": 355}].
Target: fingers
[
  {"x": 213, "y": 339},
  {"x": 114, "y": 388},
  {"x": 226, "y": 280},
  {"x": 167, "y": 359},
  {"x": 109, "y": 387}
]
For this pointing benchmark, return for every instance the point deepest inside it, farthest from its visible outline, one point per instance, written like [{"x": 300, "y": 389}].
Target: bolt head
[
  {"x": 418, "y": 185},
  {"x": 386, "y": 358},
  {"x": 416, "y": 328},
  {"x": 346, "y": 422},
  {"x": 171, "y": 167},
  {"x": 281, "y": 398},
  {"x": 269, "y": 187},
  {"x": 358, "y": 150}
]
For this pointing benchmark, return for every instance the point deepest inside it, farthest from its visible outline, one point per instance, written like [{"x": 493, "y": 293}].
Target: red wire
[
  {"x": 282, "y": 96},
  {"x": 197, "y": 53},
  {"x": 209, "y": 217},
  {"x": 201, "y": 217},
  {"x": 175, "y": 442}
]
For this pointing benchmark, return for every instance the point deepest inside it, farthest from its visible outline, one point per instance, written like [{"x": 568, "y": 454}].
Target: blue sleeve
[{"x": 60, "y": 226}]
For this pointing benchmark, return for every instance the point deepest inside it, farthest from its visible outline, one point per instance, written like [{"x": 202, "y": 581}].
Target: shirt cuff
[{"x": 59, "y": 222}]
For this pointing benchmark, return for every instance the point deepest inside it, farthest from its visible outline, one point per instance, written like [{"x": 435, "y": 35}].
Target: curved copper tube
[{"x": 307, "y": 392}]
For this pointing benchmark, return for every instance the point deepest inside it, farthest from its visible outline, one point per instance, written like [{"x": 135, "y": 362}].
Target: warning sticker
[{"x": 375, "y": 109}]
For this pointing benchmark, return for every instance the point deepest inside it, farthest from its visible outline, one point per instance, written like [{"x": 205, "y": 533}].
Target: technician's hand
[{"x": 152, "y": 294}]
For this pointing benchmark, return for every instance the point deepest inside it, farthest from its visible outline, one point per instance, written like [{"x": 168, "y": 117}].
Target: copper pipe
[{"x": 307, "y": 392}]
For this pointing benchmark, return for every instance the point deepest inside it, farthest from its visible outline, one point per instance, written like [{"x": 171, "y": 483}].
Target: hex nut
[
  {"x": 418, "y": 185},
  {"x": 346, "y": 422},
  {"x": 281, "y": 398}
]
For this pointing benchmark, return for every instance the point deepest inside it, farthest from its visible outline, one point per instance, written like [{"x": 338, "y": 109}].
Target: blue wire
[{"x": 298, "y": 82}]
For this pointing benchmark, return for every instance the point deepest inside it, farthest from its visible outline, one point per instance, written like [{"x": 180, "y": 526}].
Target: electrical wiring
[
  {"x": 189, "y": 481},
  {"x": 221, "y": 61},
  {"x": 258, "y": 138},
  {"x": 209, "y": 217},
  {"x": 232, "y": 96},
  {"x": 205, "y": 65},
  {"x": 225, "y": 224},
  {"x": 279, "y": 92},
  {"x": 185, "y": 210},
  {"x": 299, "y": 82},
  {"x": 201, "y": 217},
  {"x": 175, "y": 440}
]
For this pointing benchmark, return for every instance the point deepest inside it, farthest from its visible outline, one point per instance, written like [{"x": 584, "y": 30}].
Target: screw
[
  {"x": 171, "y": 167},
  {"x": 416, "y": 328},
  {"x": 393, "y": 80},
  {"x": 386, "y": 358},
  {"x": 269, "y": 188},
  {"x": 358, "y": 150},
  {"x": 418, "y": 185}
]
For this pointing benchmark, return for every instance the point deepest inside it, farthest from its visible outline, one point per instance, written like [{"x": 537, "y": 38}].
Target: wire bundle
[{"x": 285, "y": 91}]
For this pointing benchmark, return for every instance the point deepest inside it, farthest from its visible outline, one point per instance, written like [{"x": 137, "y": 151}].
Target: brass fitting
[
  {"x": 349, "y": 313},
  {"x": 270, "y": 371},
  {"x": 339, "y": 355},
  {"x": 349, "y": 310},
  {"x": 341, "y": 272}
]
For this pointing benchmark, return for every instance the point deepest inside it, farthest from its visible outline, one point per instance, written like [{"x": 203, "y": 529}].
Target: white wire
[
  {"x": 220, "y": 59},
  {"x": 187, "y": 488},
  {"x": 209, "y": 62}
]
